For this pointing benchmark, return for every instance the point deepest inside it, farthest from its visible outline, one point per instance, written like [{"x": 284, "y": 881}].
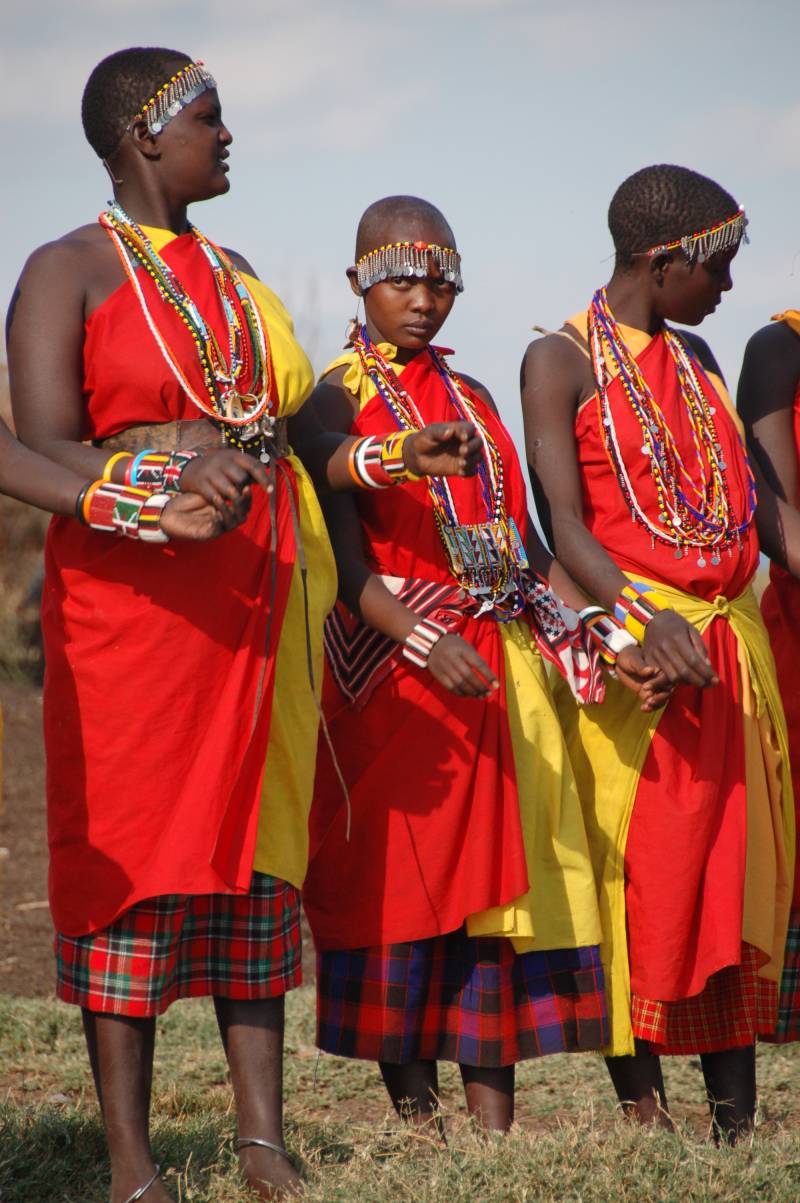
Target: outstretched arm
[{"x": 320, "y": 435}]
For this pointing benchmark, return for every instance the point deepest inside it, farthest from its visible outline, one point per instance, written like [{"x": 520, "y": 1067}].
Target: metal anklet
[
  {"x": 244, "y": 1142},
  {"x": 137, "y": 1194}
]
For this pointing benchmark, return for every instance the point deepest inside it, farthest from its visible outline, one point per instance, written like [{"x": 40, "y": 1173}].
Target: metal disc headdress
[
  {"x": 705, "y": 243},
  {"x": 179, "y": 90},
  {"x": 398, "y": 259}
]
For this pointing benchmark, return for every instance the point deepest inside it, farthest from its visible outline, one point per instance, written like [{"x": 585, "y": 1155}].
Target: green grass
[{"x": 570, "y": 1146}]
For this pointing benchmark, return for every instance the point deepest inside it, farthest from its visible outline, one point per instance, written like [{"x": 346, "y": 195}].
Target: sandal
[{"x": 138, "y": 1194}]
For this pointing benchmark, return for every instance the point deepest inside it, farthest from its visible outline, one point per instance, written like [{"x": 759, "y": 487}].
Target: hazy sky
[{"x": 517, "y": 117}]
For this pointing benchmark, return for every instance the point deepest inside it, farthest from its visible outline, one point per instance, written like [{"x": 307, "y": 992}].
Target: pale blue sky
[{"x": 517, "y": 117}]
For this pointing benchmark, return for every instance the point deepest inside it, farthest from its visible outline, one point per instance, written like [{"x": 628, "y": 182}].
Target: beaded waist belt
[{"x": 193, "y": 434}]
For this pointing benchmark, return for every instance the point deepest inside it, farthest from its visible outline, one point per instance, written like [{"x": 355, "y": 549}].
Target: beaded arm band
[
  {"x": 607, "y": 633},
  {"x": 636, "y": 606},
  {"x": 122, "y": 510},
  {"x": 376, "y": 463},
  {"x": 420, "y": 642},
  {"x": 160, "y": 471}
]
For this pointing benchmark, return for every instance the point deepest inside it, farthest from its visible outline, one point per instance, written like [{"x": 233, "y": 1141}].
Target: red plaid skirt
[
  {"x": 244, "y": 946},
  {"x": 735, "y": 1007},
  {"x": 459, "y": 998}
]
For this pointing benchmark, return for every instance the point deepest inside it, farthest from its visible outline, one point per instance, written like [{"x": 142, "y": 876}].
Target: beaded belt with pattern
[{"x": 194, "y": 434}]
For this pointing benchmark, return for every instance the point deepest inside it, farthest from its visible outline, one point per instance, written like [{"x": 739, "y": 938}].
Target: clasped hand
[{"x": 215, "y": 495}]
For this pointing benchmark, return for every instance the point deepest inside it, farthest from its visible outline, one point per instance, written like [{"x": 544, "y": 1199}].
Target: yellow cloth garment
[
  {"x": 560, "y": 909},
  {"x": 608, "y": 745}
]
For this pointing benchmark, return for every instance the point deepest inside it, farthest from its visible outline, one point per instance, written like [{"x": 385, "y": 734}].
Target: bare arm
[{"x": 32, "y": 478}]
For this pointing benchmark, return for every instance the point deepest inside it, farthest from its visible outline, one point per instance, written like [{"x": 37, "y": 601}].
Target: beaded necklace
[
  {"x": 694, "y": 503},
  {"x": 485, "y": 558},
  {"x": 239, "y": 385}
]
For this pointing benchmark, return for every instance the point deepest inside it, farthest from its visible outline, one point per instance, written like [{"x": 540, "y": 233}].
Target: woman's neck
[
  {"x": 630, "y": 302},
  {"x": 147, "y": 207}
]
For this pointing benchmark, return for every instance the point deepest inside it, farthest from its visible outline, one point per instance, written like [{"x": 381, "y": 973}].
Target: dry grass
[{"x": 571, "y": 1145}]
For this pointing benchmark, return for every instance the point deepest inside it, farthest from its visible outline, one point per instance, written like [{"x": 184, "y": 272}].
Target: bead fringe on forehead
[
  {"x": 181, "y": 89},
  {"x": 705, "y": 243},
  {"x": 408, "y": 259}
]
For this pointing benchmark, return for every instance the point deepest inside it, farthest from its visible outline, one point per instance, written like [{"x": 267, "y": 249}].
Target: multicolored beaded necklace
[
  {"x": 485, "y": 558},
  {"x": 694, "y": 506},
  {"x": 239, "y": 387}
]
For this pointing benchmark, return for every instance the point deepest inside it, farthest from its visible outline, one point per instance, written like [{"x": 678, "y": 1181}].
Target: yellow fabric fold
[
  {"x": 608, "y": 745},
  {"x": 560, "y": 909},
  {"x": 355, "y": 379},
  {"x": 791, "y": 317},
  {"x": 288, "y": 783}
]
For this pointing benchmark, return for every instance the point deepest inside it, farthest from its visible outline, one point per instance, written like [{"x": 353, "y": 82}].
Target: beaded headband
[
  {"x": 408, "y": 259},
  {"x": 705, "y": 243},
  {"x": 181, "y": 89}
]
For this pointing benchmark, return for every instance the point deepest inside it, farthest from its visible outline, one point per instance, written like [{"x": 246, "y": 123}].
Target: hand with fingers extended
[
  {"x": 223, "y": 479},
  {"x": 647, "y": 680},
  {"x": 456, "y": 665},
  {"x": 673, "y": 645},
  {"x": 190, "y": 516},
  {"x": 443, "y": 449}
]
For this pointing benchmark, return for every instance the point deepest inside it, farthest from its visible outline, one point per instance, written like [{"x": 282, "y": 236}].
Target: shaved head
[{"x": 401, "y": 219}]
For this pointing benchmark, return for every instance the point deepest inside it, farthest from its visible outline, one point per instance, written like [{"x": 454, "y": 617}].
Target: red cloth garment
[
  {"x": 435, "y": 833},
  {"x": 686, "y": 846},
  {"x": 156, "y": 655}
]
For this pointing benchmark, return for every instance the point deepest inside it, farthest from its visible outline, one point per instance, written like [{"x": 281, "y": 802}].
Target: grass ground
[{"x": 570, "y": 1146}]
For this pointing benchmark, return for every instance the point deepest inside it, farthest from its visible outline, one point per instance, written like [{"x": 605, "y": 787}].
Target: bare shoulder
[
  {"x": 774, "y": 341},
  {"x": 563, "y": 352},
  {"x": 480, "y": 389},
  {"x": 75, "y": 252},
  {"x": 239, "y": 261},
  {"x": 333, "y": 404}
]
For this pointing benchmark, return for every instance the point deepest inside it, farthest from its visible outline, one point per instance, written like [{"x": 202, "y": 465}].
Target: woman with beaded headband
[
  {"x": 768, "y": 401},
  {"x": 452, "y": 900},
  {"x": 637, "y": 461},
  {"x": 180, "y": 738}
]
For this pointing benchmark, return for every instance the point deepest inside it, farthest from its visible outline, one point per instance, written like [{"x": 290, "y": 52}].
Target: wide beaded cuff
[
  {"x": 122, "y": 510},
  {"x": 420, "y": 642}
]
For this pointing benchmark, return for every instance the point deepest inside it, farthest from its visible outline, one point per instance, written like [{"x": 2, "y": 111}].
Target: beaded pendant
[{"x": 487, "y": 558}]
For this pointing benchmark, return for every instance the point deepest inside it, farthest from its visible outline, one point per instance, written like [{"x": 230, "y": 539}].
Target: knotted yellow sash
[{"x": 608, "y": 745}]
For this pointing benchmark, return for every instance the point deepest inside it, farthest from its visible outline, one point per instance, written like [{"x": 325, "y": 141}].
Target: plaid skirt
[
  {"x": 788, "y": 1028},
  {"x": 459, "y": 998},
  {"x": 244, "y": 946},
  {"x": 735, "y": 1007}
]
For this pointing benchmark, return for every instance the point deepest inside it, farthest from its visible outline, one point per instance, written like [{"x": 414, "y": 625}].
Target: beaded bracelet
[
  {"x": 376, "y": 463},
  {"x": 635, "y": 607},
  {"x": 122, "y": 509},
  {"x": 420, "y": 642},
  {"x": 160, "y": 471},
  {"x": 609, "y": 635},
  {"x": 114, "y": 459}
]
